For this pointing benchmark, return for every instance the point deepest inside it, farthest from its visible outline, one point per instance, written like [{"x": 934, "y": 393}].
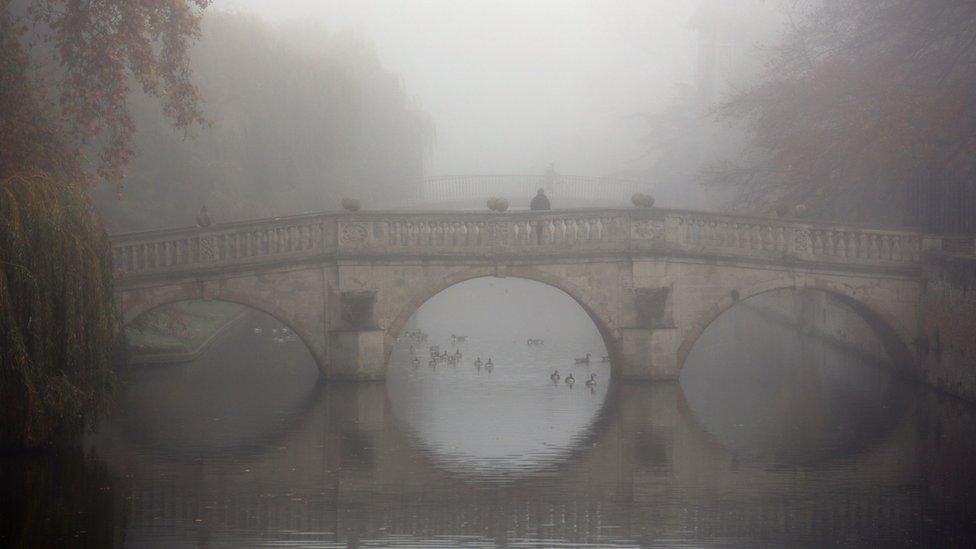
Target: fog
[{"x": 513, "y": 85}]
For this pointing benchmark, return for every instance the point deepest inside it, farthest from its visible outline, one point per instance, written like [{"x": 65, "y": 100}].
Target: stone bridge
[{"x": 651, "y": 279}]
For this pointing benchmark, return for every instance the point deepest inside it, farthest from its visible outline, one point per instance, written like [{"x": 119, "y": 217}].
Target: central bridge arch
[{"x": 598, "y": 313}]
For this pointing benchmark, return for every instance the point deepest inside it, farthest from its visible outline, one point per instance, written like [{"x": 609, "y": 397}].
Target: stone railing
[
  {"x": 734, "y": 235},
  {"x": 487, "y": 235},
  {"x": 233, "y": 244}
]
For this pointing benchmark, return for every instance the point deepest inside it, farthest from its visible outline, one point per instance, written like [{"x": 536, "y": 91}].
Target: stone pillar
[
  {"x": 356, "y": 351},
  {"x": 649, "y": 349}
]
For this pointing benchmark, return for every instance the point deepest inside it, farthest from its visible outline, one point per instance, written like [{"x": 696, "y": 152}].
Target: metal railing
[{"x": 453, "y": 187}]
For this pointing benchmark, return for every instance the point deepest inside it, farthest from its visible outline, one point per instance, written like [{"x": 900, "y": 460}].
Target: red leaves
[
  {"x": 102, "y": 46},
  {"x": 864, "y": 96}
]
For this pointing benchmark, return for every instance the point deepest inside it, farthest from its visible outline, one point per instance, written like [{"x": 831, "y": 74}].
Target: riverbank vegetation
[
  {"x": 864, "y": 113},
  {"x": 180, "y": 328},
  {"x": 65, "y": 72}
]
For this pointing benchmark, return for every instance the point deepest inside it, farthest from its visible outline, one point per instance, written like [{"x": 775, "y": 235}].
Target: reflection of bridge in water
[{"x": 646, "y": 473}]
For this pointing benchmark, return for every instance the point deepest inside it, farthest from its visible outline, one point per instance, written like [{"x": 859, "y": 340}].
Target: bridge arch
[
  {"x": 132, "y": 311},
  {"x": 894, "y": 339},
  {"x": 604, "y": 323}
]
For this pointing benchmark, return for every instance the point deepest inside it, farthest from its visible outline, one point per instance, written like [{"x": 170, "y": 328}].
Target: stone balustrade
[
  {"x": 488, "y": 235},
  {"x": 233, "y": 244}
]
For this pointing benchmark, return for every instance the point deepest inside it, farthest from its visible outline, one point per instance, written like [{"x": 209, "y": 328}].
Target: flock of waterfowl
[
  {"x": 278, "y": 335},
  {"x": 438, "y": 357}
]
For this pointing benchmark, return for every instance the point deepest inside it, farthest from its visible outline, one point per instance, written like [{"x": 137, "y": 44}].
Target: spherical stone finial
[
  {"x": 642, "y": 200},
  {"x": 351, "y": 204}
]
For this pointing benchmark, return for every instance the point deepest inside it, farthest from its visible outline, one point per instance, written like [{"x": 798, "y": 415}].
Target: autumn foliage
[
  {"x": 866, "y": 109},
  {"x": 64, "y": 73}
]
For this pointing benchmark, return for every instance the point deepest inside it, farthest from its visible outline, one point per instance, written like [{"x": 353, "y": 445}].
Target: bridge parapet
[
  {"x": 239, "y": 244},
  {"x": 488, "y": 235},
  {"x": 738, "y": 236}
]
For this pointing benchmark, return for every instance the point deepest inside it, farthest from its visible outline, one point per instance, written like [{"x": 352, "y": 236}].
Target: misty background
[{"x": 314, "y": 101}]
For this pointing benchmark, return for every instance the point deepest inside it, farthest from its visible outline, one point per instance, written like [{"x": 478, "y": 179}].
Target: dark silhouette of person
[
  {"x": 540, "y": 201},
  {"x": 203, "y": 218}
]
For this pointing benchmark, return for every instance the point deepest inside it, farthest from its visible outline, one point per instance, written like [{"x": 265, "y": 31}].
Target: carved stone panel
[
  {"x": 801, "y": 241},
  {"x": 654, "y": 307},
  {"x": 208, "y": 251},
  {"x": 647, "y": 229},
  {"x": 354, "y": 233},
  {"x": 357, "y": 309}
]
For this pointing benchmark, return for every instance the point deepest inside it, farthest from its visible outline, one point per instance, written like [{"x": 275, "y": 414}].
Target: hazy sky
[{"x": 513, "y": 84}]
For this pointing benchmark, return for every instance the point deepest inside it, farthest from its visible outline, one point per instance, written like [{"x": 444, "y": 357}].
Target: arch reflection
[
  {"x": 216, "y": 378},
  {"x": 795, "y": 378}
]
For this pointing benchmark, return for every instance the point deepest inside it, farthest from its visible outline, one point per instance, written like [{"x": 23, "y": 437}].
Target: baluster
[
  {"x": 896, "y": 248},
  {"x": 885, "y": 252},
  {"x": 780, "y": 239},
  {"x": 456, "y": 239},
  {"x": 837, "y": 239},
  {"x": 596, "y": 230}
]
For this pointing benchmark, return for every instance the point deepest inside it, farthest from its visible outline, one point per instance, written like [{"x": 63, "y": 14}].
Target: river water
[{"x": 777, "y": 435}]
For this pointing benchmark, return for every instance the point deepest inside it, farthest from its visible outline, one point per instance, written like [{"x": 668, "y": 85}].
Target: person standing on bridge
[{"x": 540, "y": 201}]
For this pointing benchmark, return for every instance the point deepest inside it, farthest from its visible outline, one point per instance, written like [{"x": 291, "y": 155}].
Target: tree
[
  {"x": 64, "y": 71},
  {"x": 866, "y": 108},
  {"x": 300, "y": 118}
]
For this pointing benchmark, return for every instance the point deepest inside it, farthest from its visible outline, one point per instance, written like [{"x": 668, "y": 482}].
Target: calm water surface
[{"x": 776, "y": 436}]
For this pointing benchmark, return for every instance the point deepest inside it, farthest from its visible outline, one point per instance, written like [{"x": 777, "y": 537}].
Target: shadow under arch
[
  {"x": 895, "y": 343},
  {"x": 130, "y": 431},
  {"x": 131, "y": 314},
  {"x": 604, "y": 326},
  {"x": 879, "y": 407}
]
